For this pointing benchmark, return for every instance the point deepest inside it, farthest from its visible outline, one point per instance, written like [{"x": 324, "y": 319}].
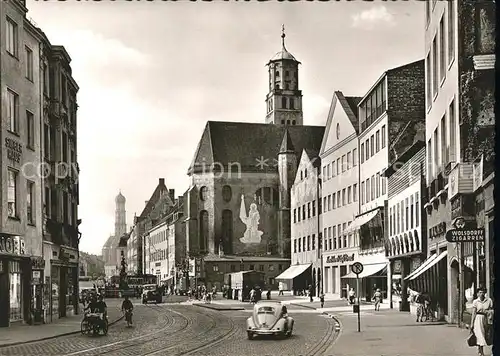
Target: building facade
[
  {"x": 391, "y": 115},
  {"x": 340, "y": 173},
  {"x": 460, "y": 136},
  {"x": 166, "y": 246},
  {"x": 306, "y": 224},
  {"x": 406, "y": 238},
  {"x": 132, "y": 250}
]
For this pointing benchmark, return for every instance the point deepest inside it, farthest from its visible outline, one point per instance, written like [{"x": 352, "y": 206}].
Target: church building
[
  {"x": 237, "y": 207},
  {"x": 113, "y": 250}
]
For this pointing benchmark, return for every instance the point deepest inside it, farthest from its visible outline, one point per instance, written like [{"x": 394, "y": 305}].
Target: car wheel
[
  {"x": 289, "y": 333},
  {"x": 250, "y": 335}
]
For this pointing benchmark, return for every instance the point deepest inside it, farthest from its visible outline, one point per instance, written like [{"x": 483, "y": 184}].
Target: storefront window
[
  {"x": 69, "y": 292},
  {"x": 16, "y": 308},
  {"x": 55, "y": 292}
]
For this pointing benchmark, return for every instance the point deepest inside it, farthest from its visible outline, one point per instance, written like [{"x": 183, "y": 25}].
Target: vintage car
[
  {"x": 151, "y": 293},
  {"x": 269, "y": 318}
]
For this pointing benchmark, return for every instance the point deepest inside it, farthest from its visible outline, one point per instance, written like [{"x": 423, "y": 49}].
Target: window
[
  {"x": 362, "y": 152},
  {"x": 30, "y": 130},
  {"x": 390, "y": 221},
  {"x": 398, "y": 221},
  {"x": 355, "y": 157},
  {"x": 343, "y": 197},
  {"x": 338, "y": 166},
  {"x": 45, "y": 79},
  {"x": 308, "y": 243},
  {"x": 343, "y": 163},
  {"x": 377, "y": 141},
  {"x": 309, "y": 210},
  {"x": 329, "y": 203},
  {"x": 314, "y": 208},
  {"x": 348, "y": 160},
  {"x": 13, "y": 110},
  {"x": 417, "y": 210},
  {"x": 338, "y": 199},
  {"x": 324, "y": 172},
  {"x": 412, "y": 220},
  {"x": 333, "y": 170},
  {"x": 30, "y": 195},
  {"x": 294, "y": 215},
  {"x": 203, "y": 193},
  {"x": 383, "y": 136},
  {"x": 362, "y": 192},
  {"x": 436, "y": 151},
  {"x": 333, "y": 201},
  {"x": 300, "y": 245},
  {"x": 451, "y": 31},
  {"x": 428, "y": 80},
  {"x": 373, "y": 187},
  {"x": 328, "y": 176},
  {"x": 325, "y": 205},
  {"x": 367, "y": 191},
  {"x": 261, "y": 268},
  {"x": 429, "y": 160},
  {"x": 434, "y": 67},
  {"x": 453, "y": 148},
  {"x": 338, "y": 131},
  {"x": 313, "y": 242},
  {"x": 372, "y": 145},
  {"x": 29, "y": 63},
  {"x": 377, "y": 184},
  {"x": 367, "y": 151},
  {"x": 444, "y": 146},
  {"x": 12, "y": 193},
  {"x": 442, "y": 50},
  {"x": 11, "y": 37},
  {"x": 355, "y": 193},
  {"x": 349, "y": 195},
  {"x": 384, "y": 186},
  {"x": 407, "y": 213},
  {"x": 304, "y": 212}
]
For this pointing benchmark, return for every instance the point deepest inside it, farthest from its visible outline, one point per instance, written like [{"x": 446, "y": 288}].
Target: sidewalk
[
  {"x": 22, "y": 333},
  {"x": 394, "y": 333}
]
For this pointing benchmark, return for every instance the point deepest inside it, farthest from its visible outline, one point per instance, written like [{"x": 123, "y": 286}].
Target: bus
[{"x": 136, "y": 281}]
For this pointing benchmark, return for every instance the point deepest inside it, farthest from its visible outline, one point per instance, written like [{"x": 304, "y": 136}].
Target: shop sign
[
  {"x": 14, "y": 150},
  {"x": 437, "y": 230},
  {"x": 397, "y": 266},
  {"x": 340, "y": 258},
  {"x": 465, "y": 235},
  {"x": 37, "y": 262},
  {"x": 36, "y": 277},
  {"x": 13, "y": 245},
  {"x": 463, "y": 207}
]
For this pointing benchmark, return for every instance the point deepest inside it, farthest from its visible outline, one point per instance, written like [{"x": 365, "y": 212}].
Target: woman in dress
[{"x": 482, "y": 306}]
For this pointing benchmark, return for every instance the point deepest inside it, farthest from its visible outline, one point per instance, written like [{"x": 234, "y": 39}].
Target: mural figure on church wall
[{"x": 252, "y": 234}]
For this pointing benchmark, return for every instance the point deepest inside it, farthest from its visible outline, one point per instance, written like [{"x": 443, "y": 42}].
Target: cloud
[{"x": 367, "y": 19}]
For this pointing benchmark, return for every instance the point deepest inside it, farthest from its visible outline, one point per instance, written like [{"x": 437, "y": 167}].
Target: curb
[
  {"x": 338, "y": 325},
  {"x": 218, "y": 309},
  {"x": 303, "y": 306},
  {"x": 54, "y": 336}
]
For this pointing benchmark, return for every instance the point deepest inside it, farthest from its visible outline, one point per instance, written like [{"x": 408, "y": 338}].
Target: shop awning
[
  {"x": 368, "y": 271},
  {"x": 360, "y": 221},
  {"x": 294, "y": 271},
  {"x": 422, "y": 266},
  {"x": 434, "y": 262}
]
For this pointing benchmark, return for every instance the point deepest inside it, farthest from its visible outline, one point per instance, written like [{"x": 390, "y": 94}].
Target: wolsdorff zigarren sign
[{"x": 465, "y": 235}]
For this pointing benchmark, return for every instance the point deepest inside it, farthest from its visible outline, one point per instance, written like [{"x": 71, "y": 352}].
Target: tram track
[{"x": 325, "y": 342}]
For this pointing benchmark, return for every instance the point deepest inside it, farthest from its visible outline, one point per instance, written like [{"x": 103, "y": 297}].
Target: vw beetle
[{"x": 269, "y": 318}]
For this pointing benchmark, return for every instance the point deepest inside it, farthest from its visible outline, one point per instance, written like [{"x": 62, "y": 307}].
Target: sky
[{"x": 151, "y": 74}]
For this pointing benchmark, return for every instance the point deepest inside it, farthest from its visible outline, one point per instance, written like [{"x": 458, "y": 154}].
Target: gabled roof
[
  {"x": 160, "y": 188},
  {"x": 286, "y": 143},
  {"x": 245, "y": 145},
  {"x": 313, "y": 157},
  {"x": 350, "y": 106}
]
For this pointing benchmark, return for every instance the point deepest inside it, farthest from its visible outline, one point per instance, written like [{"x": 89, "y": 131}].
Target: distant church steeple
[
  {"x": 284, "y": 100},
  {"x": 120, "y": 215}
]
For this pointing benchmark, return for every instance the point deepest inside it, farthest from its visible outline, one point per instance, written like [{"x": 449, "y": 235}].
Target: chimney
[
  {"x": 171, "y": 193},
  {"x": 161, "y": 181}
]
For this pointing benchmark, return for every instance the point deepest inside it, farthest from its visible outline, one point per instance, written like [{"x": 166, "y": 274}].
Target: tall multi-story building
[
  {"x": 166, "y": 246},
  {"x": 39, "y": 220},
  {"x": 306, "y": 225},
  {"x": 460, "y": 137},
  {"x": 391, "y": 115},
  {"x": 340, "y": 160},
  {"x": 132, "y": 249}
]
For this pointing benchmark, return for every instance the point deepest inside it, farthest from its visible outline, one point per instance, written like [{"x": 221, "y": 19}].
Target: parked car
[
  {"x": 151, "y": 292},
  {"x": 269, "y": 318}
]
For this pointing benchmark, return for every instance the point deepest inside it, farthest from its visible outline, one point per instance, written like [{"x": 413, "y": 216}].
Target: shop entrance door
[
  {"x": 63, "y": 287},
  {"x": 4, "y": 294}
]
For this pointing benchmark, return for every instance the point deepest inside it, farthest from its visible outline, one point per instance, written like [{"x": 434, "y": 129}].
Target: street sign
[
  {"x": 462, "y": 235},
  {"x": 357, "y": 267}
]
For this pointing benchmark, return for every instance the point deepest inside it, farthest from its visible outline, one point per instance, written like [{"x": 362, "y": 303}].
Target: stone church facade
[{"x": 237, "y": 207}]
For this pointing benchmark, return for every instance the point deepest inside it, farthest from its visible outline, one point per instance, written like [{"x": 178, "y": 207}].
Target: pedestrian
[
  {"x": 252, "y": 295},
  {"x": 280, "y": 288},
  {"x": 322, "y": 299},
  {"x": 311, "y": 293},
  {"x": 482, "y": 320},
  {"x": 352, "y": 296},
  {"x": 377, "y": 298}
]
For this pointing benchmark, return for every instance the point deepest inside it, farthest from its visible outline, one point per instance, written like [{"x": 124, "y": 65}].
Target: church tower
[
  {"x": 120, "y": 216},
  {"x": 284, "y": 100}
]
